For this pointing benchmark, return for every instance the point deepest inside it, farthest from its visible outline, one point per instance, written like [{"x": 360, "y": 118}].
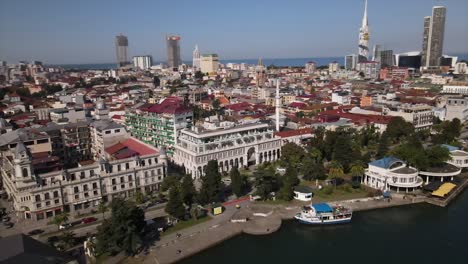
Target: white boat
[{"x": 324, "y": 214}]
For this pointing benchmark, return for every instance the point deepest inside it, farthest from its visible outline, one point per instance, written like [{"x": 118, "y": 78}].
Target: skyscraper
[
  {"x": 121, "y": 46},
  {"x": 427, "y": 25},
  {"x": 433, "y": 37},
  {"x": 196, "y": 58},
  {"x": 173, "y": 51},
  {"x": 351, "y": 61},
  {"x": 364, "y": 37}
]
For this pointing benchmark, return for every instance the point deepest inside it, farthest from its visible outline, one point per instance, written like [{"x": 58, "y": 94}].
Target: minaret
[
  {"x": 277, "y": 105},
  {"x": 364, "y": 37},
  {"x": 196, "y": 58}
]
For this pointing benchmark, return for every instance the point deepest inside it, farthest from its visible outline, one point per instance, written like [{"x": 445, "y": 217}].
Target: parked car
[
  {"x": 64, "y": 226},
  {"x": 88, "y": 220},
  {"x": 6, "y": 218},
  {"x": 35, "y": 232},
  {"x": 8, "y": 224}
]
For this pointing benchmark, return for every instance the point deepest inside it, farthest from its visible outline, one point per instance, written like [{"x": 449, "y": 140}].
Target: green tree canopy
[
  {"x": 188, "y": 190},
  {"x": 292, "y": 154},
  {"x": 437, "y": 156},
  {"x": 266, "y": 181},
  {"x": 212, "y": 187},
  {"x": 238, "y": 182},
  {"x": 175, "y": 206},
  {"x": 398, "y": 128},
  {"x": 123, "y": 231}
]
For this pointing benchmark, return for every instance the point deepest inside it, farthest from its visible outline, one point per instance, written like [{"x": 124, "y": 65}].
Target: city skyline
[{"x": 78, "y": 34}]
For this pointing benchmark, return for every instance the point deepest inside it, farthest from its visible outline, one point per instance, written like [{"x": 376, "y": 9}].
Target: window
[
  {"x": 149, "y": 161},
  {"x": 55, "y": 194},
  {"x": 118, "y": 167},
  {"x": 37, "y": 198},
  {"x": 122, "y": 179},
  {"x": 94, "y": 185},
  {"x": 127, "y": 166},
  {"x": 46, "y": 196},
  {"x": 117, "y": 131},
  {"x": 108, "y": 132},
  {"x": 47, "y": 203},
  {"x": 76, "y": 190},
  {"x": 82, "y": 175},
  {"x": 129, "y": 177},
  {"x": 113, "y": 181},
  {"x": 38, "y": 205},
  {"x": 86, "y": 195},
  {"x": 57, "y": 201},
  {"x": 146, "y": 174},
  {"x": 91, "y": 173},
  {"x": 72, "y": 176},
  {"x": 95, "y": 192},
  {"x": 85, "y": 187},
  {"x": 41, "y": 141},
  {"x": 25, "y": 172},
  {"x": 114, "y": 188},
  {"x": 122, "y": 186},
  {"x": 77, "y": 196}
]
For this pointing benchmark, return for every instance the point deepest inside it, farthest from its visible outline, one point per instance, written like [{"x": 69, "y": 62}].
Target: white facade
[
  {"x": 310, "y": 67},
  {"x": 341, "y": 97},
  {"x": 371, "y": 69},
  {"x": 461, "y": 68},
  {"x": 459, "y": 158},
  {"x": 456, "y": 89},
  {"x": 77, "y": 190},
  {"x": 229, "y": 144},
  {"x": 420, "y": 115},
  {"x": 143, "y": 62},
  {"x": 392, "y": 174},
  {"x": 333, "y": 67},
  {"x": 209, "y": 63}
]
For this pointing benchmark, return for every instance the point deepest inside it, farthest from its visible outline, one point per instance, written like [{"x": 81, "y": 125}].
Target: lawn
[
  {"x": 185, "y": 224},
  {"x": 340, "y": 194}
]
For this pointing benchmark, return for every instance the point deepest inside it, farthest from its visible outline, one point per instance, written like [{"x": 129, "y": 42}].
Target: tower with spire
[
  {"x": 196, "y": 58},
  {"x": 364, "y": 37}
]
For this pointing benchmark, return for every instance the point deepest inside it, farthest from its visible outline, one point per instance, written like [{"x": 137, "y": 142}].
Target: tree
[
  {"x": 139, "y": 197},
  {"x": 336, "y": 170},
  {"x": 357, "y": 170},
  {"x": 265, "y": 182},
  {"x": 102, "y": 208},
  {"x": 437, "y": 156},
  {"x": 398, "y": 128},
  {"x": 215, "y": 104},
  {"x": 187, "y": 189},
  {"x": 383, "y": 146},
  {"x": 290, "y": 180},
  {"x": 123, "y": 231},
  {"x": 211, "y": 189},
  {"x": 198, "y": 75},
  {"x": 292, "y": 154},
  {"x": 238, "y": 182},
  {"x": 169, "y": 181},
  {"x": 343, "y": 151},
  {"x": 413, "y": 154},
  {"x": 313, "y": 169},
  {"x": 175, "y": 206}
]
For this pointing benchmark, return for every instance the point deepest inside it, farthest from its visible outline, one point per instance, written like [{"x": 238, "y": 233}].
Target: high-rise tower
[
  {"x": 433, "y": 37},
  {"x": 364, "y": 37},
  {"x": 121, "y": 46},
  {"x": 173, "y": 51},
  {"x": 196, "y": 58}
]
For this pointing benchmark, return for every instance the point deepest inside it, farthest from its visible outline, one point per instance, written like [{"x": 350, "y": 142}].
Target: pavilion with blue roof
[{"x": 386, "y": 162}]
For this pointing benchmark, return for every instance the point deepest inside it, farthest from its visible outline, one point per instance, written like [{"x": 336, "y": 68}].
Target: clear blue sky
[{"x": 82, "y": 31}]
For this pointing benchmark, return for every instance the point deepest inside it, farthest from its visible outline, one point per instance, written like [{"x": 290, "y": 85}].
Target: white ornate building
[
  {"x": 228, "y": 143},
  {"x": 125, "y": 168},
  {"x": 391, "y": 173}
]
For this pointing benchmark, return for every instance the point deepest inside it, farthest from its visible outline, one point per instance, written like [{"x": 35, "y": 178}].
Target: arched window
[{"x": 25, "y": 172}]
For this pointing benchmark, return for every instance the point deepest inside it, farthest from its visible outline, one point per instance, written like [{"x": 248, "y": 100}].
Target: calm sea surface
[{"x": 411, "y": 234}]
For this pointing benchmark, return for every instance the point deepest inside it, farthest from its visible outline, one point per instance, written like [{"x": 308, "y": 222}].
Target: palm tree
[
  {"x": 102, "y": 208},
  {"x": 357, "y": 170},
  {"x": 336, "y": 171}
]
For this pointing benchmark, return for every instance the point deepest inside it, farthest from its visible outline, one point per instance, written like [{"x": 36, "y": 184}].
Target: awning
[{"x": 444, "y": 189}]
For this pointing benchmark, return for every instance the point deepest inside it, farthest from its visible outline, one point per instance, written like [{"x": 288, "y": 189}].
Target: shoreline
[{"x": 271, "y": 218}]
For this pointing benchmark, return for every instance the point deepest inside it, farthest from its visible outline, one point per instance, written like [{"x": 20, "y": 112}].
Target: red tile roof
[
  {"x": 296, "y": 132},
  {"x": 170, "y": 105},
  {"x": 128, "y": 148}
]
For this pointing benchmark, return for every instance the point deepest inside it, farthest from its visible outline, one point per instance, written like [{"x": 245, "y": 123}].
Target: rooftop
[
  {"x": 130, "y": 148},
  {"x": 385, "y": 163}
]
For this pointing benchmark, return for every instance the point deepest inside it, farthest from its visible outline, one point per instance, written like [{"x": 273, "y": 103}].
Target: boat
[{"x": 324, "y": 214}]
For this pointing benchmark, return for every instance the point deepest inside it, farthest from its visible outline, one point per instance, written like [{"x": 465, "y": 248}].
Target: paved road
[{"x": 26, "y": 226}]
